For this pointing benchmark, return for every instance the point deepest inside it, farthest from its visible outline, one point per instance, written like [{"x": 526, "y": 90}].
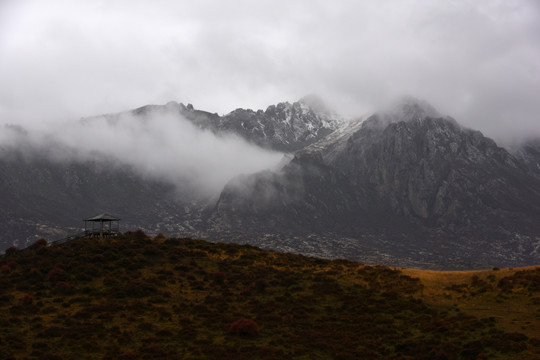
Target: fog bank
[{"x": 159, "y": 145}]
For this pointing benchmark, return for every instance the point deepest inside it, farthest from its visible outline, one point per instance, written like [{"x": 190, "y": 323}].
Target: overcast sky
[{"x": 478, "y": 61}]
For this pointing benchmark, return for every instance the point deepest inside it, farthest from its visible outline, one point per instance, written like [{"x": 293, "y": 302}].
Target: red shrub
[
  {"x": 42, "y": 250},
  {"x": 63, "y": 287},
  {"x": 98, "y": 258},
  {"x": 219, "y": 277},
  {"x": 41, "y": 242},
  {"x": 27, "y": 299},
  {"x": 109, "y": 280},
  {"x": 246, "y": 291},
  {"x": 288, "y": 318},
  {"x": 61, "y": 265},
  {"x": 56, "y": 273},
  {"x": 34, "y": 272},
  {"x": 261, "y": 285},
  {"x": 244, "y": 327},
  {"x": 129, "y": 355},
  {"x": 5, "y": 269},
  {"x": 153, "y": 351}
]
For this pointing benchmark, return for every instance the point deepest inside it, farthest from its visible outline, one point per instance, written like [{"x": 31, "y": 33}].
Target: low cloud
[{"x": 160, "y": 145}]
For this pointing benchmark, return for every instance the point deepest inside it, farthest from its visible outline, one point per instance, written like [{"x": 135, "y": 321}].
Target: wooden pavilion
[{"x": 102, "y": 225}]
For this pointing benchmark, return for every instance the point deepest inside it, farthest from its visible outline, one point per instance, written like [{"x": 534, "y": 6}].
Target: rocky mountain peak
[
  {"x": 528, "y": 152},
  {"x": 285, "y": 126},
  {"x": 405, "y": 109},
  {"x": 316, "y": 103},
  {"x": 406, "y": 176},
  {"x": 410, "y": 108}
]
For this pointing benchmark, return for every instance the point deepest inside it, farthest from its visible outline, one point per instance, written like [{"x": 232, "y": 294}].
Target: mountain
[
  {"x": 407, "y": 183},
  {"x": 136, "y": 297},
  {"x": 46, "y": 198},
  {"x": 284, "y": 127},
  {"x": 46, "y": 192},
  {"x": 405, "y": 186},
  {"x": 528, "y": 152}
]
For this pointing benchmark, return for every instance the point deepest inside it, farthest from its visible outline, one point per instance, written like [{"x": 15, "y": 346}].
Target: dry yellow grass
[{"x": 518, "y": 310}]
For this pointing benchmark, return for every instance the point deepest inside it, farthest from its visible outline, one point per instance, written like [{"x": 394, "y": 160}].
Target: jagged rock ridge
[{"x": 284, "y": 127}]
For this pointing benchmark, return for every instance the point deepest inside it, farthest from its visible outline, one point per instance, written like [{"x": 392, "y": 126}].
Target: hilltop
[{"x": 136, "y": 297}]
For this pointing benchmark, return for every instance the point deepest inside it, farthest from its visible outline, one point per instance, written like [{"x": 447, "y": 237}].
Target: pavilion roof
[{"x": 102, "y": 217}]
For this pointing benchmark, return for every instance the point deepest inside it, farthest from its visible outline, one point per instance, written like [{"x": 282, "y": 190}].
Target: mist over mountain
[
  {"x": 528, "y": 151},
  {"x": 157, "y": 166},
  {"x": 405, "y": 182},
  {"x": 158, "y": 143},
  {"x": 404, "y": 186},
  {"x": 46, "y": 198}
]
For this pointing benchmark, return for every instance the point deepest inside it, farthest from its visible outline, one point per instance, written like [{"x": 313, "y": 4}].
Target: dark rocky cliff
[{"x": 407, "y": 176}]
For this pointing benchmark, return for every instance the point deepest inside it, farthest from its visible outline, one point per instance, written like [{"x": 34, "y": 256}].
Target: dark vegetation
[{"x": 134, "y": 297}]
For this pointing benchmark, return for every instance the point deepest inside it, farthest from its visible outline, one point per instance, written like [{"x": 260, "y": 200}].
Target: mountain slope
[
  {"x": 45, "y": 198},
  {"x": 45, "y": 194},
  {"x": 441, "y": 175},
  {"x": 529, "y": 153},
  {"x": 169, "y": 298},
  {"x": 405, "y": 186},
  {"x": 424, "y": 185}
]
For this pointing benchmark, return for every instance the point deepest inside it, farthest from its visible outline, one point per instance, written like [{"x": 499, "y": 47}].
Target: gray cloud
[
  {"x": 160, "y": 145},
  {"x": 478, "y": 61}
]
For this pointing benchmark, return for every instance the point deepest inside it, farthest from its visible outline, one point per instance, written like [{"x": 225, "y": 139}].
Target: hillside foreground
[{"x": 136, "y": 297}]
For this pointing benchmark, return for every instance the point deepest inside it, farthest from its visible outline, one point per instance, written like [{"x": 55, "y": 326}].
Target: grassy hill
[{"x": 134, "y": 297}]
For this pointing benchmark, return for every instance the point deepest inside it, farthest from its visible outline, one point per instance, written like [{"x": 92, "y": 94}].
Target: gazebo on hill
[{"x": 102, "y": 225}]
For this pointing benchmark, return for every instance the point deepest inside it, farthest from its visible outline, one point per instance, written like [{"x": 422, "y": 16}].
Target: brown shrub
[
  {"x": 244, "y": 327},
  {"x": 246, "y": 291},
  {"x": 5, "y": 269},
  {"x": 261, "y": 285},
  {"x": 139, "y": 235},
  {"x": 56, "y": 273},
  {"x": 128, "y": 355},
  {"x": 109, "y": 281},
  {"x": 288, "y": 318},
  {"x": 219, "y": 277},
  {"x": 34, "y": 272},
  {"x": 137, "y": 288},
  {"x": 27, "y": 299},
  {"x": 40, "y": 243},
  {"x": 11, "y": 250},
  {"x": 63, "y": 287}
]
